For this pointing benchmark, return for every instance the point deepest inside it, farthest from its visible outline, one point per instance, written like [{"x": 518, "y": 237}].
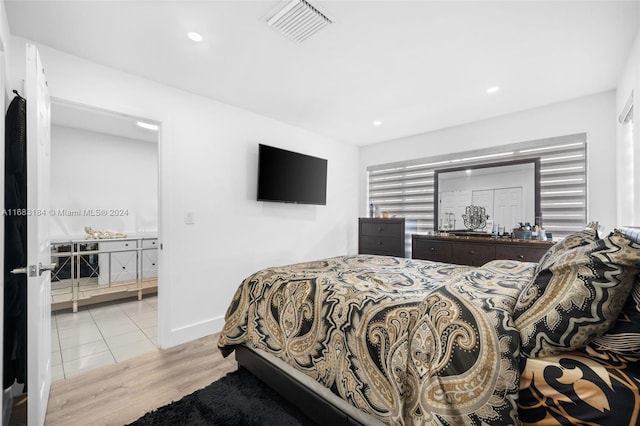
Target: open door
[{"x": 38, "y": 240}]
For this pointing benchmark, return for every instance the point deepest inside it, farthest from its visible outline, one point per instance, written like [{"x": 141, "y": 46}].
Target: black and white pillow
[
  {"x": 576, "y": 295},
  {"x": 586, "y": 236}
]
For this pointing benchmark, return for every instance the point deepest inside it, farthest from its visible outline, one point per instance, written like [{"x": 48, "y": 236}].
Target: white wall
[
  {"x": 208, "y": 165},
  {"x": 628, "y": 149},
  {"x": 594, "y": 115},
  {"x": 97, "y": 171}
]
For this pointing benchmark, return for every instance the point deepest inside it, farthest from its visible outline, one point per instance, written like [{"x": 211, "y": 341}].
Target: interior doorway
[{"x": 104, "y": 226}]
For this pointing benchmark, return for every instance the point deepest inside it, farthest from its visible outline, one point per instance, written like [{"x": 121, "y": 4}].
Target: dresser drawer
[
  {"x": 148, "y": 243},
  {"x": 476, "y": 251},
  {"x": 523, "y": 254},
  {"x": 387, "y": 237},
  {"x": 149, "y": 258},
  {"x": 472, "y": 254},
  {"x": 390, "y": 246},
  {"x": 118, "y": 265},
  {"x": 436, "y": 251},
  {"x": 117, "y": 245},
  {"x": 381, "y": 229}
]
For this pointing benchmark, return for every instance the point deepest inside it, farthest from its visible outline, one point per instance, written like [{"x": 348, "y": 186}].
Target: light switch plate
[{"x": 189, "y": 217}]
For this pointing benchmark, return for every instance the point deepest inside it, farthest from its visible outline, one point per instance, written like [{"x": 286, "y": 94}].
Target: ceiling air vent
[{"x": 298, "y": 20}]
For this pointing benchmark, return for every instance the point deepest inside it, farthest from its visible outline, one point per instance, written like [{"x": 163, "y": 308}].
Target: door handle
[
  {"x": 17, "y": 271},
  {"x": 30, "y": 270},
  {"x": 43, "y": 268},
  {"x": 33, "y": 271}
]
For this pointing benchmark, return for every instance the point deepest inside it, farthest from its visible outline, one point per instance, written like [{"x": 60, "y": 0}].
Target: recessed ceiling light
[
  {"x": 194, "y": 36},
  {"x": 493, "y": 89},
  {"x": 148, "y": 126},
  {"x": 377, "y": 123}
]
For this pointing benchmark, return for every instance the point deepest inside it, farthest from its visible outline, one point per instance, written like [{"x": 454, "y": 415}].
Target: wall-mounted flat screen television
[{"x": 291, "y": 177}]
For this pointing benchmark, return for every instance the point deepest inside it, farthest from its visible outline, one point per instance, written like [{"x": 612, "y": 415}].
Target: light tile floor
[{"x": 102, "y": 335}]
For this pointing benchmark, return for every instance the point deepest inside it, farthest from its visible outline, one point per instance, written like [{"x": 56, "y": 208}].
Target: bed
[{"x": 377, "y": 339}]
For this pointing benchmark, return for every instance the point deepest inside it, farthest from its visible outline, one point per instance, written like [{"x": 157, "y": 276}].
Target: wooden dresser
[
  {"x": 476, "y": 251},
  {"x": 389, "y": 237}
]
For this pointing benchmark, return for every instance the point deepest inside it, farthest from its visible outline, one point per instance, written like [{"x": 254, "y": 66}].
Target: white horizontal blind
[{"x": 406, "y": 188}]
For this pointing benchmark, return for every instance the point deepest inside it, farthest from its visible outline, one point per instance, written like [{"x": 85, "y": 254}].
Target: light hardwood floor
[{"x": 120, "y": 393}]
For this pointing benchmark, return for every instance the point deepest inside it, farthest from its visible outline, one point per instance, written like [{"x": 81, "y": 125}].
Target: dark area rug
[{"x": 236, "y": 399}]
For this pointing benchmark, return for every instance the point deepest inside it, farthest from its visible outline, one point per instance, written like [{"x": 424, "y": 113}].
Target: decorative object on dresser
[
  {"x": 475, "y": 217},
  {"x": 476, "y": 251},
  {"x": 387, "y": 237},
  {"x": 94, "y": 234}
]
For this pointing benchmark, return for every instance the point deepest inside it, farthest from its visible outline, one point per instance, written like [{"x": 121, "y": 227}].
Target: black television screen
[{"x": 290, "y": 177}]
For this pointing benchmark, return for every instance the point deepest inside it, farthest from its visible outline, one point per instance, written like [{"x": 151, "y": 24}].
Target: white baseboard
[{"x": 184, "y": 334}]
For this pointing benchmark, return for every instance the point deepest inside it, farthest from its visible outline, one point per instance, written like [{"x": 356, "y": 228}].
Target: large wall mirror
[
  {"x": 410, "y": 188},
  {"x": 509, "y": 193}
]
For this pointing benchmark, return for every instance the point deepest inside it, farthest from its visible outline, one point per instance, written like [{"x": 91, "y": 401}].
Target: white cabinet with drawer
[
  {"x": 149, "y": 258},
  {"x": 123, "y": 264}
]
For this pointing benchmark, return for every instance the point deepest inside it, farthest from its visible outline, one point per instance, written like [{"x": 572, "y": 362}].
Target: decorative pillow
[
  {"x": 583, "y": 237},
  {"x": 576, "y": 296},
  {"x": 631, "y": 232},
  {"x": 622, "y": 342}
]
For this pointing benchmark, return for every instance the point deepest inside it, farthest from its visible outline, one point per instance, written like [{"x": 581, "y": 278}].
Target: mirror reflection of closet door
[
  {"x": 452, "y": 207},
  {"x": 508, "y": 206},
  {"x": 484, "y": 198}
]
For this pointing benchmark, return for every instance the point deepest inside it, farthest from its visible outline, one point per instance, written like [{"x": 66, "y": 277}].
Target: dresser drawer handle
[
  {"x": 472, "y": 252},
  {"x": 380, "y": 229},
  {"x": 433, "y": 249},
  {"x": 521, "y": 256},
  {"x": 379, "y": 243}
]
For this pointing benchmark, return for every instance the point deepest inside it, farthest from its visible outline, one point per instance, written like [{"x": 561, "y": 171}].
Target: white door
[
  {"x": 508, "y": 207},
  {"x": 452, "y": 207},
  {"x": 38, "y": 241},
  {"x": 484, "y": 198}
]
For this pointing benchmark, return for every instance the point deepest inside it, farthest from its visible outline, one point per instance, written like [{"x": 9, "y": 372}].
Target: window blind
[{"x": 406, "y": 188}]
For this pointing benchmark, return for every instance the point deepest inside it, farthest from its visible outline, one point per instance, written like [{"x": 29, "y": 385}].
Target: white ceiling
[{"x": 416, "y": 66}]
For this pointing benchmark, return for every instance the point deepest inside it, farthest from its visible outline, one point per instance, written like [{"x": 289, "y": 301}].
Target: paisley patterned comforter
[
  {"x": 408, "y": 341},
  {"x": 577, "y": 388}
]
